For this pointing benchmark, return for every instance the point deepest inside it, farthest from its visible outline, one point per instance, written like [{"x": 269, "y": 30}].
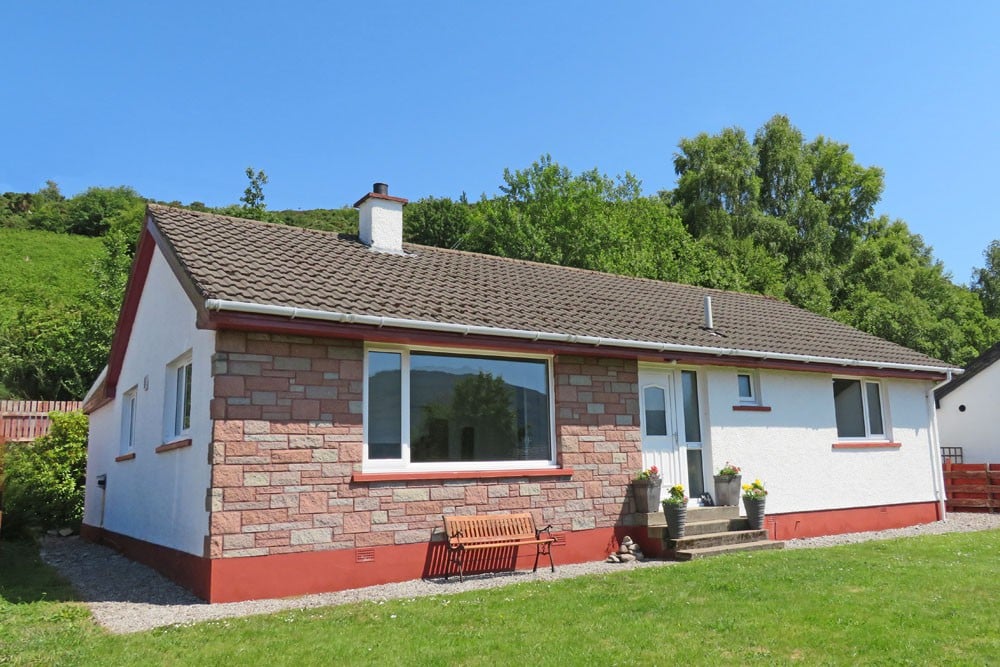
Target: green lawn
[{"x": 925, "y": 601}]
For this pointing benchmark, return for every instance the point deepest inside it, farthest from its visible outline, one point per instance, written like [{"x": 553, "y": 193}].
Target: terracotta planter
[
  {"x": 647, "y": 495},
  {"x": 676, "y": 516},
  {"x": 727, "y": 489},
  {"x": 755, "y": 512}
]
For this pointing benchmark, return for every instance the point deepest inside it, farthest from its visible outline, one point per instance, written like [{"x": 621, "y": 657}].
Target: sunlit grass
[{"x": 928, "y": 600}]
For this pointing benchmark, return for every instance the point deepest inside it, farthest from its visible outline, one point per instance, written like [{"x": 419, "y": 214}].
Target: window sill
[
  {"x": 751, "y": 408},
  {"x": 125, "y": 457},
  {"x": 459, "y": 474},
  {"x": 867, "y": 445},
  {"x": 171, "y": 446}
]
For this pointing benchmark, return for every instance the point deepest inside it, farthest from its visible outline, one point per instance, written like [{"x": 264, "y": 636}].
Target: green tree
[
  {"x": 44, "y": 480},
  {"x": 547, "y": 214},
  {"x": 443, "y": 223},
  {"x": 986, "y": 281},
  {"x": 253, "y": 196},
  {"x": 90, "y": 212},
  {"x": 894, "y": 288}
]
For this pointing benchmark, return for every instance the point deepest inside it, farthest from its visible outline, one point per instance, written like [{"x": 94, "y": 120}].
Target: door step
[
  {"x": 712, "y": 531},
  {"x": 694, "y": 554}
]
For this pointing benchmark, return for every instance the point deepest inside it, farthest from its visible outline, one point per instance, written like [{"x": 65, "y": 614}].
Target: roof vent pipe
[
  {"x": 380, "y": 188},
  {"x": 708, "y": 313}
]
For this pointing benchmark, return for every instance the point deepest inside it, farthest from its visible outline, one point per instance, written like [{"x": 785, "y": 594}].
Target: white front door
[{"x": 658, "y": 420}]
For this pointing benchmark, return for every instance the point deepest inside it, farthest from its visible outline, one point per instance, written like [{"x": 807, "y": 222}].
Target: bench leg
[
  {"x": 457, "y": 557},
  {"x": 544, "y": 549}
]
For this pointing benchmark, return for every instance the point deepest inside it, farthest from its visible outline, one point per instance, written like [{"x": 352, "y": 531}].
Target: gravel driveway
[{"x": 125, "y": 596}]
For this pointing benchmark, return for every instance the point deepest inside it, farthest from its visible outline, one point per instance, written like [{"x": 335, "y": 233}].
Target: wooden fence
[
  {"x": 972, "y": 487},
  {"x": 23, "y": 421}
]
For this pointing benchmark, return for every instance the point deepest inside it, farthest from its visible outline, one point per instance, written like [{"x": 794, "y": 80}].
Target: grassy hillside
[{"x": 38, "y": 268}]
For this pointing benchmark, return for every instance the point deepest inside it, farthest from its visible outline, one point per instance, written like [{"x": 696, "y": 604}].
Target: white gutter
[
  {"x": 470, "y": 329},
  {"x": 937, "y": 464}
]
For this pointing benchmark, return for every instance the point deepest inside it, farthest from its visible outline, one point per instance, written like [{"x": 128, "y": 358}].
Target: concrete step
[
  {"x": 704, "y": 540},
  {"x": 700, "y": 528},
  {"x": 705, "y": 527},
  {"x": 713, "y": 513},
  {"x": 705, "y": 552}
]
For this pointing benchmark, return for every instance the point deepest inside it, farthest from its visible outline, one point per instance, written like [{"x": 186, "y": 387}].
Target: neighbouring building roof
[
  {"x": 975, "y": 367},
  {"x": 231, "y": 261}
]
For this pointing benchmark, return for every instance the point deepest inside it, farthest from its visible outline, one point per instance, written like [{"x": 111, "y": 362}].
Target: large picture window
[
  {"x": 432, "y": 409},
  {"x": 858, "y": 404}
]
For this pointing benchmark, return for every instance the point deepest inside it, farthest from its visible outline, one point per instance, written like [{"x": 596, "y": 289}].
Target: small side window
[
  {"x": 748, "y": 387},
  {"x": 178, "y": 396},
  {"x": 127, "y": 442}
]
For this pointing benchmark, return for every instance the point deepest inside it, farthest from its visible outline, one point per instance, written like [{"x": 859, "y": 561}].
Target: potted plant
[
  {"x": 675, "y": 510},
  {"x": 646, "y": 489},
  {"x": 754, "y": 496},
  {"x": 727, "y": 485}
]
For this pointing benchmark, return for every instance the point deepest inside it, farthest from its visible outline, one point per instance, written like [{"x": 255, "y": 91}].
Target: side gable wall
[
  {"x": 975, "y": 428},
  {"x": 155, "y": 497}
]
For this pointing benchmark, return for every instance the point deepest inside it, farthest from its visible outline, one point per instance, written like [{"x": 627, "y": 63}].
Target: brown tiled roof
[{"x": 247, "y": 261}]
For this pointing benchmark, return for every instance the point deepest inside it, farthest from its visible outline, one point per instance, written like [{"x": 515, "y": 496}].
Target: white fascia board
[{"x": 597, "y": 341}]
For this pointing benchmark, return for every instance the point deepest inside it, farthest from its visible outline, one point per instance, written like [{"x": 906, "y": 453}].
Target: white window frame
[
  {"x": 754, "y": 381},
  {"x": 886, "y": 435},
  {"x": 129, "y": 403},
  {"x": 403, "y": 464},
  {"x": 178, "y": 397}
]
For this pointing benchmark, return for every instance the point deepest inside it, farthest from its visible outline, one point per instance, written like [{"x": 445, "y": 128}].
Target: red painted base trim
[
  {"x": 284, "y": 575},
  {"x": 852, "y": 520}
]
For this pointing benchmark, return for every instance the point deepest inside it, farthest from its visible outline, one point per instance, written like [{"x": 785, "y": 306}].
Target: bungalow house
[
  {"x": 967, "y": 411},
  {"x": 287, "y": 411}
]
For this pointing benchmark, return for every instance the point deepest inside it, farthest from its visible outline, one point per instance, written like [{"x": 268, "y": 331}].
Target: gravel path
[{"x": 125, "y": 596}]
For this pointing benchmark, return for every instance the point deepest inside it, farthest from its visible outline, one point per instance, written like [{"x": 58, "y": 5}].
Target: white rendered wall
[
  {"x": 790, "y": 447},
  {"x": 977, "y": 429},
  {"x": 158, "y": 498}
]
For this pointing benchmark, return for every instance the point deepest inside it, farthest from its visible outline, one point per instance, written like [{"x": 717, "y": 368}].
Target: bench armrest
[{"x": 547, "y": 529}]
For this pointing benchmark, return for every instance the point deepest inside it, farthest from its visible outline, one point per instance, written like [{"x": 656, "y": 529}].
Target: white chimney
[
  {"x": 380, "y": 223},
  {"x": 709, "y": 320}
]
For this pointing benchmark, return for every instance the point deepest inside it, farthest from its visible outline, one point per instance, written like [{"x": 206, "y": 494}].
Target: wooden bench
[{"x": 494, "y": 531}]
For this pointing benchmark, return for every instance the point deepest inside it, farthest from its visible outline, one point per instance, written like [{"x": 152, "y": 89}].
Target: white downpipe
[
  {"x": 935, "y": 447},
  {"x": 471, "y": 329}
]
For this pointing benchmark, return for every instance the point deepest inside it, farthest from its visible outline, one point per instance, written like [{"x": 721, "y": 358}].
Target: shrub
[{"x": 44, "y": 480}]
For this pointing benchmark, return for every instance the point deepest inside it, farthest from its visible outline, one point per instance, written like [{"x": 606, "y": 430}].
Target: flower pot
[
  {"x": 676, "y": 516},
  {"x": 755, "y": 512},
  {"x": 647, "y": 495},
  {"x": 727, "y": 489}
]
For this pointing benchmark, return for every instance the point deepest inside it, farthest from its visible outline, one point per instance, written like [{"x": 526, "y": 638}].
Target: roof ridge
[{"x": 476, "y": 253}]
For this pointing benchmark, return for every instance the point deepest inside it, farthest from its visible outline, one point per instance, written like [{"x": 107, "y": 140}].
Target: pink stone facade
[{"x": 288, "y": 436}]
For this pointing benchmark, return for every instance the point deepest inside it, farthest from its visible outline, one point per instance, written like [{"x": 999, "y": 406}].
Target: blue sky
[{"x": 437, "y": 98}]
